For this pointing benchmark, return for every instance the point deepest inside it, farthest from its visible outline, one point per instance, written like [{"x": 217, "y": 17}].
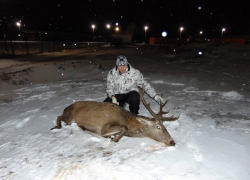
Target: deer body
[{"x": 107, "y": 119}]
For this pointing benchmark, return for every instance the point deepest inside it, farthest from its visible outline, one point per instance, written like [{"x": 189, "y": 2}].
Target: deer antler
[
  {"x": 160, "y": 113},
  {"x": 147, "y": 105}
]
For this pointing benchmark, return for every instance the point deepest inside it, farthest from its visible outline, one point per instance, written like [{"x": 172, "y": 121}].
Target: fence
[{"x": 34, "y": 47}]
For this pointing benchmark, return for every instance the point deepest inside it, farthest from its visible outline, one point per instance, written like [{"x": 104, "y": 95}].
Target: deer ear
[{"x": 144, "y": 120}]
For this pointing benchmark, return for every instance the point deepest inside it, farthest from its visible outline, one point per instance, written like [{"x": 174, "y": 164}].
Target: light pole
[
  {"x": 181, "y": 29},
  {"x": 201, "y": 32},
  {"x": 108, "y": 27},
  {"x": 222, "y": 30},
  {"x": 164, "y": 34},
  {"x": 146, "y": 28},
  {"x": 19, "y": 25},
  {"x": 93, "y": 27}
]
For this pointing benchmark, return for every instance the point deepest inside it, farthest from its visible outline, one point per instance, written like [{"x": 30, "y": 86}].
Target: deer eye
[{"x": 158, "y": 127}]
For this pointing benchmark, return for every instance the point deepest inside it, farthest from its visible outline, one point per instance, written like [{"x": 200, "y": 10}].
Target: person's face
[{"x": 122, "y": 69}]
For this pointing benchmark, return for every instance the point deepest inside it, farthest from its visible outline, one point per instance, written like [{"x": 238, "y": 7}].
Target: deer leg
[
  {"x": 58, "y": 123},
  {"x": 114, "y": 130}
]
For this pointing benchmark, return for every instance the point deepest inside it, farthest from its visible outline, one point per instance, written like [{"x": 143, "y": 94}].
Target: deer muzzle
[{"x": 170, "y": 143}]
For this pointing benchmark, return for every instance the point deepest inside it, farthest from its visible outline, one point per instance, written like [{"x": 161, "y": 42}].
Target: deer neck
[{"x": 135, "y": 128}]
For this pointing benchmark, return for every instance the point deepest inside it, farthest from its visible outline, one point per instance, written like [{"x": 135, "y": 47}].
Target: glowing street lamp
[
  {"x": 146, "y": 28},
  {"x": 201, "y": 32},
  {"x": 93, "y": 27},
  {"x": 19, "y": 25},
  {"x": 108, "y": 26},
  {"x": 117, "y": 28},
  {"x": 164, "y": 34},
  {"x": 181, "y": 29},
  {"x": 222, "y": 30}
]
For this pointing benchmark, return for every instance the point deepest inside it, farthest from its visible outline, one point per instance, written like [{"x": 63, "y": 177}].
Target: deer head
[{"x": 156, "y": 130}]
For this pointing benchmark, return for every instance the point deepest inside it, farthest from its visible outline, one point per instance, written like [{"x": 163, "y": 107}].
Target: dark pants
[{"x": 132, "y": 98}]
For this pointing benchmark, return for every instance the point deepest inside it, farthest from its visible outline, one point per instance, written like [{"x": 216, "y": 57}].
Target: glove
[
  {"x": 114, "y": 100},
  {"x": 159, "y": 99}
]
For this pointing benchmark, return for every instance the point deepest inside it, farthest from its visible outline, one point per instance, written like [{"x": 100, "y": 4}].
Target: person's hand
[
  {"x": 159, "y": 99},
  {"x": 114, "y": 100}
]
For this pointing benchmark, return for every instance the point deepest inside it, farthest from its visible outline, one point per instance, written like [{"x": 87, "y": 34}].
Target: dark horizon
[{"x": 77, "y": 17}]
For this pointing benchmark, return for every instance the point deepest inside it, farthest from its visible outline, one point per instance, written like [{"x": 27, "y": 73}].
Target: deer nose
[{"x": 172, "y": 143}]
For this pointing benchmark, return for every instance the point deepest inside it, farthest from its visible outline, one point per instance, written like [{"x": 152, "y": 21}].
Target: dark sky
[{"x": 76, "y": 16}]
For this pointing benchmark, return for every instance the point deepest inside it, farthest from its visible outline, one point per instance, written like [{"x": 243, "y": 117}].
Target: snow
[{"x": 212, "y": 134}]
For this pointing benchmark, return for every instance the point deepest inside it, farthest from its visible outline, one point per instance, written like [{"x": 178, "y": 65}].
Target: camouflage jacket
[{"x": 129, "y": 81}]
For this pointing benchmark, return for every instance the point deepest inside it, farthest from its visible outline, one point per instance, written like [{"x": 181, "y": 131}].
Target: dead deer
[{"x": 110, "y": 120}]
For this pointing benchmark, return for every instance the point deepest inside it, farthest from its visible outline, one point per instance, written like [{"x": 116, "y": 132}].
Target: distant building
[{"x": 126, "y": 38}]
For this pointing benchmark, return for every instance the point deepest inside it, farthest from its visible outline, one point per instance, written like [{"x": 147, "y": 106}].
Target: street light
[
  {"x": 146, "y": 28},
  {"x": 93, "y": 27},
  {"x": 108, "y": 27},
  {"x": 164, "y": 34},
  {"x": 117, "y": 28},
  {"x": 19, "y": 25},
  {"x": 181, "y": 29},
  {"x": 222, "y": 30}
]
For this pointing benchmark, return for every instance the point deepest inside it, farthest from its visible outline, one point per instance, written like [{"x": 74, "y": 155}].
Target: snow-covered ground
[{"x": 212, "y": 134}]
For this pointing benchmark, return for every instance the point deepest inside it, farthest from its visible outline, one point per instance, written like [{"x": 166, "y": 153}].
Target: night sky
[{"x": 77, "y": 16}]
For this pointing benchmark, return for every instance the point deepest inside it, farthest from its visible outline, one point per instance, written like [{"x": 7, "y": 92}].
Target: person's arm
[
  {"x": 148, "y": 88},
  {"x": 110, "y": 85}
]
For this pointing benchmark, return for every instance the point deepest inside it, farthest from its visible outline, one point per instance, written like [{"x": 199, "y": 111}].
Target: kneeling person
[{"x": 122, "y": 86}]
